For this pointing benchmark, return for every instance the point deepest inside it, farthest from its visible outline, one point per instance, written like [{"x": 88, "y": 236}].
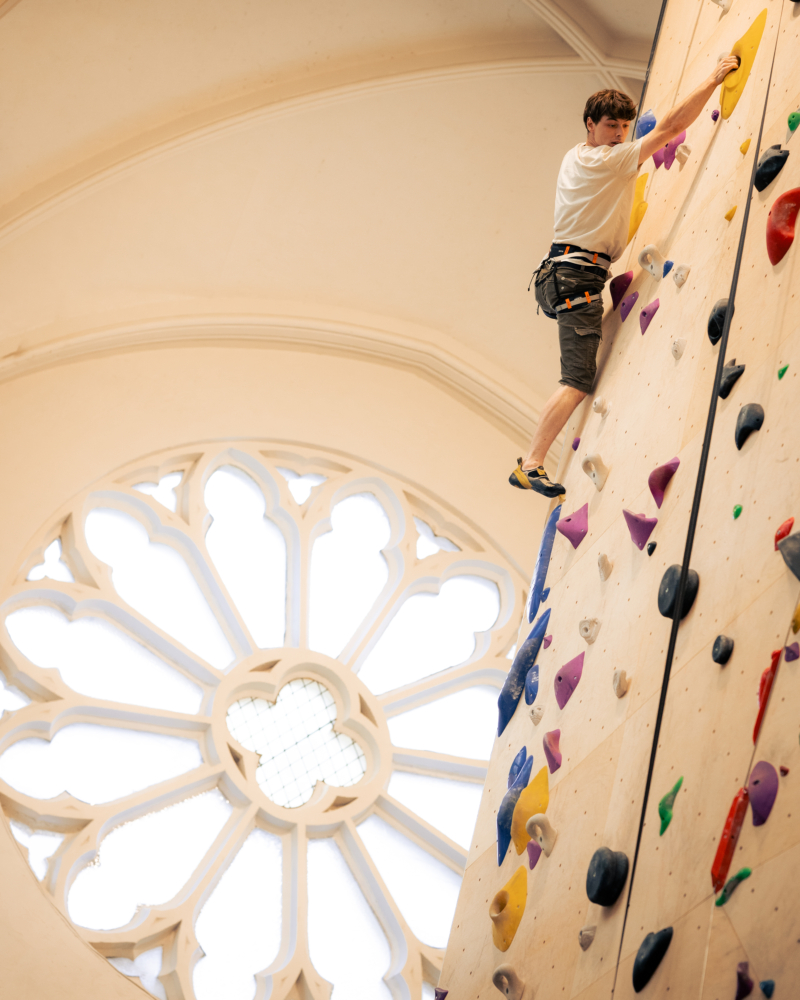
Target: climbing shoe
[{"x": 536, "y": 480}]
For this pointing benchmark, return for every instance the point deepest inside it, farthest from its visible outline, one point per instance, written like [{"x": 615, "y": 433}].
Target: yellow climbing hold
[
  {"x": 731, "y": 212},
  {"x": 534, "y": 799},
  {"x": 746, "y": 48},
  {"x": 796, "y": 620},
  {"x": 639, "y": 206},
  {"x": 744, "y": 146},
  {"x": 507, "y": 908}
]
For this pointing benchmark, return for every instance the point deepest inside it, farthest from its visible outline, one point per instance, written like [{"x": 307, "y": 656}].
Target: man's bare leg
[{"x": 557, "y": 411}]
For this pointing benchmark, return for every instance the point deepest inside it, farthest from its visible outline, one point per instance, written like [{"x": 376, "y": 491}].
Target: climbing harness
[{"x": 576, "y": 258}]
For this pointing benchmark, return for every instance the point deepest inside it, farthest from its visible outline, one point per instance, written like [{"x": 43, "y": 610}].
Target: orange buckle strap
[
  {"x": 588, "y": 297},
  {"x": 594, "y": 259},
  {"x": 567, "y": 250},
  {"x": 569, "y": 304}
]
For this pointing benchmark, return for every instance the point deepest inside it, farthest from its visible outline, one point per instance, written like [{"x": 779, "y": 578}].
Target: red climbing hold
[
  {"x": 730, "y": 835},
  {"x": 780, "y": 224},
  {"x": 783, "y": 531},
  {"x": 764, "y": 688},
  {"x": 784, "y": 770}
]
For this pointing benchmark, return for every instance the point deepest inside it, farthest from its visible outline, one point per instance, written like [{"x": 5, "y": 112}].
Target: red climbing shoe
[{"x": 536, "y": 480}]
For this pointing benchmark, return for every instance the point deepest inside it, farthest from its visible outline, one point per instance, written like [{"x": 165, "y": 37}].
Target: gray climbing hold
[
  {"x": 722, "y": 650},
  {"x": 750, "y": 419},
  {"x": 586, "y": 936},
  {"x": 648, "y": 958},
  {"x": 770, "y": 164},
  {"x": 536, "y": 714},
  {"x": 789, "y": 548},
  {"x": 605, "y": 566},
  {"x": 730, "y": 375},
  {"x": 541, "y": 829},
  {"x": 668, "y": 591},
  {"x": 508, "y": 982},
  {"x": 678, "y": 347},
  {"x": 621, "y": 683},
  {"x": 606, "y": 877},
  {"x": 588, "y": 628},
  {"x": 716, "y": 320}
]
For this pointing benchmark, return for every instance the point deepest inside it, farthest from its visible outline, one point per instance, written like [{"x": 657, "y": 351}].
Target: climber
[{"x": 594, "y": 197}]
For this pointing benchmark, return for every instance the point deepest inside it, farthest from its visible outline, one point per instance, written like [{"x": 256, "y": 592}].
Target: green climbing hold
[
  {"x": 666, "y": 804},
  {"x": 731, "y": 884},
  {"x": 782, "y": 371},
  {"x": 737, "y": 510},
  {"x": 794, "y": 120}
]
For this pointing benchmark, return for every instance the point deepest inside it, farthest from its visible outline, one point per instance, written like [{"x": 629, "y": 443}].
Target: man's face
[{"x": 607, "y": 132}]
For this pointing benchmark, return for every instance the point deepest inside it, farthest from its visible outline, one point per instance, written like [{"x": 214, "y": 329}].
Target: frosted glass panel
[
  {"x": 156, "y": 581},
  {"x": 96, "y": 763},
  {"x": 145, "y": 968},
  {"x": 239, "y": 928},
  {"x": 97, "y": 659},
  {"x": 428, "y": 543},
  {"x": 346, "y": 942},
  {"x": 10, "y": 698},
  {"x": 39, "y": 844},
  {"x": 348, "y": 572},
  {"x": 301, "y": 486},
  {"x": 461, "y": 724},
  {"x": 52, "y": 566},
  {"x": 163, "y": 491},
  {"x": 146, "y": 862},
  {"x": 431, "y": 632},
  {"x": 424, "y": 889},
  {"x": 249, "y": 552},
  {"x": 450, "y": 806}
]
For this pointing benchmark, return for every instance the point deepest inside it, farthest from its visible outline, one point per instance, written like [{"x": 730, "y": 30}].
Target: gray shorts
[{"x": 579, "y": 328}]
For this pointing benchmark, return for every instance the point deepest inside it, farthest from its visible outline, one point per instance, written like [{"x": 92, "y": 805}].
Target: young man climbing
[{"x": 594, "y": 197}]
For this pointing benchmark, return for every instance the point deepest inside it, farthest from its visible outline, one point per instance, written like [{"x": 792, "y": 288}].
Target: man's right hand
[{"x": 724, "y": 66}]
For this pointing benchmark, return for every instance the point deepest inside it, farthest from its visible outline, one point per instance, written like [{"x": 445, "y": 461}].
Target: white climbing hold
[
  {"x": 588, "y": 628},
  {"x": 650, "y": 259},
  {"x": 508, "y": 982},
  {"x": 540, "y": 828},
  {"x": 596, "y": 469},
  {"x": 621, "y": 683},
  {"x": 601, "y": 406},
  {"x": 678, "y": 347},
  {"x": 726, "y": 6},
  {"x": 536, "y": 714},
  {"x": 605, "y": 566},
  {"x": 586, "y": 935},
  {"x": 680, "y": 273},
  {"x": 683, "y": 152}
]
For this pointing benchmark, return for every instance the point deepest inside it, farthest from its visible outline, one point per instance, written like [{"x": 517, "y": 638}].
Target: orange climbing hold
[
  {"x": 729, "y": 838},
  {"x": 783, "y": 531},
  {"x": 780, "y": 224},
  {"x": 746, "y": 48},
  {"x": 764, "y": 688},
  {"x": 731, "y": 212}
]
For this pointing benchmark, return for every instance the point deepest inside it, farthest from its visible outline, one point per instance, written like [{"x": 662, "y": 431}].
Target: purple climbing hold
[
  {"x": 714, "y": 115},
  {"x": 551, "y": 751},
  {"x": 668, "y": 266},
  {"x": 575, "y": 526},
  {"x": 671, "y": 148},
  {"x": 439, "y": 993},
  {"x": 640, "y": 527},
  {"x": 658, "y": 157},
  {"x": 548, "y": 639},
  {"x": 534, "y": 853},
  {"x": 792, "y": 652},
  {"x": 619, "y": 286},
  {"x": 659, "y": 478},
  {"x": 744, "y": 984},
  {"x": 763, "y": 790},
  {"x": 627, "y": 304},
  {"x": 575, "y": 443},
  {"x": 646, "y": 315},
  {"x": 567, "y": 679}
]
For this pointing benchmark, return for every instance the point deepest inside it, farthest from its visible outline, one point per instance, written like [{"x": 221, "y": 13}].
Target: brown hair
[{"x": 613, "y": 103}]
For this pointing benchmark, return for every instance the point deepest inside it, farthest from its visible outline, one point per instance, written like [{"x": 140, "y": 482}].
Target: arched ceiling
[{"x": 357, "y": 169}]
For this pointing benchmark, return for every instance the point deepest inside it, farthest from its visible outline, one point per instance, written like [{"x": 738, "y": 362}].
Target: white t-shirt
[{"x": 594, "y": 196}]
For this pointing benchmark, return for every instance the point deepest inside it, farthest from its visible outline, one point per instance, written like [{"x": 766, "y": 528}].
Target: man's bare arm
[{"x": 683, "y": 114}]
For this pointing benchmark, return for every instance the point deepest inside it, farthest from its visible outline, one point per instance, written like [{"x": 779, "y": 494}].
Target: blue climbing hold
[
  {"x": 668, "y": 265},
  {"x": 516, "y": 765},
  {"x": 767, "y": 987},
  {"x": 532, "y": 684},
  {"x": 546, "y": 594},
  {"x": 515, "y": 679},
  {"x": 506, "y": 810},
  {"x": 646, "y": 123},
  {"x": 542, "y": 563}
]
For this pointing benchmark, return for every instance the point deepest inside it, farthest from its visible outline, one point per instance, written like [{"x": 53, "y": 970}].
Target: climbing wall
[{"x": 651, "y": 405}]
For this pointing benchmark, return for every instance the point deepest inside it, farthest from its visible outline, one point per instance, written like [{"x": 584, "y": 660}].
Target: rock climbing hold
[
  {"x": 534, "y": 799},
  {"x": 716, "y": 320},
  {"x": 722, "y": 650},
  {"x": 536, "y": 714},
  {"x": 606, "y": 877},
  {"x": 796, "y": 619},
  {"x": 649, "y": 956},
  {"x": 647, "y": 314},
  {"x": 508, "y": 982},
  {"x": 780, "y": 224},
  {"x": 532, "y": 684},
  {"x": 621, "y": 683},
  {"x": 767, "y": 987},
  {"x": 744, "y": 984},
  {"x": 639, "y": 208},
  {"x": 764, "y": 688},
  {"x": 714, "y": 113},
  {"x": 729, "y": 839},
  {"x": 763, "y": 790},
  {"x": 732, "y": 884},
  {"x": 627, "y": 304},
  {"x": 651, "y": 260},
  {"x": 647, "y": 122},
  {"x": 666, "y": 805},
  {"x": 542, "y": 563},
  {"x": 782, "y": 372},
  {"x": 516, "y": 766},
  {"x": 547, "y": 640},
  {"x": 439, "y": 994},
  {"x": 789, "y": 548},
  {"x": 651, "y": 547},
  {"x": 659, "y": 479},
  {"x": 588, "y": 628},
  {"x": 770, "y": 164},
  {"x": 640, "y": 527},
  {"x": 737, "y": 510},
  {"x": 683, "y": 152},
  {"x": 658, "y": 157},
  {"x": 678, "y": 347},
  {"x": 618, "y": 286},
  {"x": 541, "y": 830},
  {"x": 575, "y": 526},
  {"x": 681, "y": 273},
  {"x": 668, "y": 591},
  {"x": 546, "y": 593},
  {"x": 745, "y": 48},
  {"x": 506, "y": 811},
  {"x": 671, "y": 149},
  {"x": 750, "y": 419},
  {"x": 730, "y": 213},
  {"x": 731, "y": 373},
  {"x": 552, "y": 752},
  {"x": 783, "y": 531},
  {"x": 605, "y": 566},
  {"x": 596, "y": 469},
  {"x": 668, "y": 265},
  {"x": 601, "y": 406},
  {"x": 793, "y": 121},
  {"x": 534, "y": 853},
  {"x": 575, "y": 443},
  {"x": 507, "y": 907},
  {"x": 586, "y": 936},
  {"x": 744, "y": 146},
  {"x": 515, "y": 679},
  {"x": 791, "y": 652},
  {"x": 784, "y": 770},
  {"x": 567, "y": 679}
]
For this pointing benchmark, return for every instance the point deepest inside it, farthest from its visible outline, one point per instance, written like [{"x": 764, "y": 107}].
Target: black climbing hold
[
  {"x": 668, "y": 591},
  {"x": 751, "y": 417},
  {"x": 723, "y": 647},
  {"x": 730, "y": 374},
  {"x": 651, "y": 547},
  {"x": 770, "y": 165},
  {"x": 606, "y": 876},
  {"x": 648, "y": 957},
  {"x": 717, "y": 320},
  {"x": 789, "y": 548}
]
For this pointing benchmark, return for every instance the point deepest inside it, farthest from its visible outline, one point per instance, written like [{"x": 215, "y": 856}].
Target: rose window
[{"x": 248, "y": 697}]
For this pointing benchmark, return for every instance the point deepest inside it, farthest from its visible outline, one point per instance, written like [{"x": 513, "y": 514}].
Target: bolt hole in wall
[{"x": 159, "y": 615}]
